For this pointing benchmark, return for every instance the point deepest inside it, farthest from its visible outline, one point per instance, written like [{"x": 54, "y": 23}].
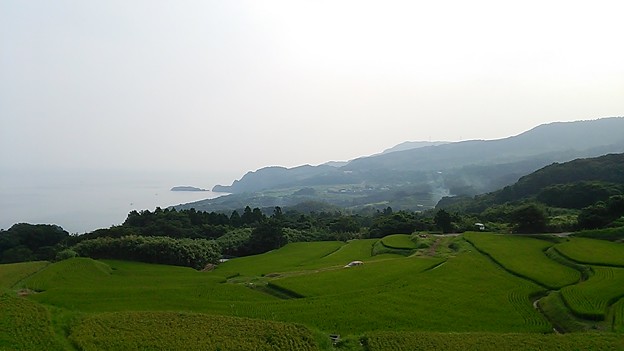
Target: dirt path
[{"x": 433, "y": 247}]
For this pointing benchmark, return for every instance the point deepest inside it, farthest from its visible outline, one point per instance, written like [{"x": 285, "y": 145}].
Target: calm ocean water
[{"x": 82, "y": 201}]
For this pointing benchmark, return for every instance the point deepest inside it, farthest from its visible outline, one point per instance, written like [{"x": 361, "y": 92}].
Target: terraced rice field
[
  {"x": 295, "y": 256},
  {"x": 618, "y": 316},
  {"x": 525, "y": 257},
  {"x": 466, "y": 293},
  {"x": 183, "y": 331},
  {"x": 593, "y": 251},
  {"x": 82, "y": 284},
  {"x": 11, "y": 274},
  {"x": 591, "y": 298},
  {"x": 397, "y": 302},
  {"x": 371, "y": 275},
  {"x": 399, "y": 241},
  {"x": 392, "y": 341},
  {"x": 25, "y": 325}
]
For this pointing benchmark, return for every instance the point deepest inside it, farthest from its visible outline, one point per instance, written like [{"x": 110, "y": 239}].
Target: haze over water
[{"x": 87, "y": 200}]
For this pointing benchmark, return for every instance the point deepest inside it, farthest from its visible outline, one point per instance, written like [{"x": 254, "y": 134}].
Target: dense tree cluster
[
  {"x": 196, "y": 253},
  {"x": 28, "y": 242},
  {"x": 602, "y": 213}
]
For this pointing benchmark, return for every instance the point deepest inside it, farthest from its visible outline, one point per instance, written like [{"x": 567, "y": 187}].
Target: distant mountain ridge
[
  {"x": 418, "y": 177},
  {"x": 409, "y": 145}
]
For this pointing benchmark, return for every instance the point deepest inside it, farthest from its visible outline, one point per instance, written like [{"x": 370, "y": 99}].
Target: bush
[{"x": 65, "y": 254}]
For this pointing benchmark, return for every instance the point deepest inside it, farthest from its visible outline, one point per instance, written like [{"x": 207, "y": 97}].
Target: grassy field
[
  {"x": 590, "y": 299},
  {"x": 525, "y": 257},
  {"x": 618, "y": 316},
  {"x": 11, "y": 274},
  {"x": 25, "y": 325},
  {"x": 399, "y": 241},
  {"x": 392, "y": 341},
  {"x": 111, "y": 304},
  {"x": 375, "y": 275},
  {"x": 593, "y": 251},
  {"x": 298, "y": 257},
  {"x": 82, "y": 284},
  {"x": 466, "y": 293},
  {"x": 183, "y": 331}
]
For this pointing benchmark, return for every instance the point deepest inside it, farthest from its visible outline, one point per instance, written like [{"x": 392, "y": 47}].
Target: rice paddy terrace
[{"x": 471, "y": 292}]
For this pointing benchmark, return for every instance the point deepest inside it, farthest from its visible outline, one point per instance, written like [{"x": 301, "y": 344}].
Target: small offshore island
[{"x": 187, "y": 188}]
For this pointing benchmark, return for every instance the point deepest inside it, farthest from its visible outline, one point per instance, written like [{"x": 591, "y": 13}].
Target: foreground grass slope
[
  {"x": 82, "y": 284},
  {"x": 182, "y": 331},
  {"x": 467, "y": 293},
  {"x": 392, "y": 341},
  {"x": 25, "y": 325},
  {"x": 13, "y": 273},
  {"x": 118, "y": 305}
]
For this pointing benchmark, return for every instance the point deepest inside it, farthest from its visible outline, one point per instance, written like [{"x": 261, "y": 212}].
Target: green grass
[
  {"x": 593, "y": 251},
  {"x": 13, "y": 273},
  {"x": 399, "y": 241},
  {"x": 25, "y": 325},
  {"x": 298, "y": 257},
  {"x": 525, "y": 257},
  {"x": 413, "y": 341},
  {"x": 185, "y": 331},
  {"x": 591, "y": 298},
  {"x": 602, "y": 234},
  {"x": 94, "y": 301},
  {"x": 360, "y": 250},
  {"x": 294, "y": 256},
  {"x": 557, "y": 312},
  {"x": 83, "y": 284},
  {"x": 618, "y": 316},
  {"x": 467, "y": 293},
  {"x": 376, "y": 275}
]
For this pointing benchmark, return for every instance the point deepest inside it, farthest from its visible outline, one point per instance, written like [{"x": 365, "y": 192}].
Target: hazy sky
[{"x": 232, "y": 86}]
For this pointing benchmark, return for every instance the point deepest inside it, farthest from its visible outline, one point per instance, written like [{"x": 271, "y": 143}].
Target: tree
[
  {"x": 235, "y": 219},
  {"x": 443, "y": 221},
  {"x": 268, "y": 235},
  {"x": 529, "y": 218},
  {"x": 400, "y": 222}
]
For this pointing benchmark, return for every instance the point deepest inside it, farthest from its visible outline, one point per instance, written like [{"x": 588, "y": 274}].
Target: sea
[{"x": 81, "y": 201}]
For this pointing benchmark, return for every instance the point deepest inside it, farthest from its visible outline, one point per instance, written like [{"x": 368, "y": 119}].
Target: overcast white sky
[{"x": 238, "y": 85}]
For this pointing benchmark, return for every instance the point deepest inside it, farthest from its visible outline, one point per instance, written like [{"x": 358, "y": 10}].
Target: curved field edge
[
  {"x": 593, "y": 298},
  {"x": 525, "y": 257},
  {"x": 179, "y": 331},
  {"x": 592, "y": 251},
  {"x": 399, "y": 241},
  {"x": 414, "y": 341},
  {"x": 563, "y": 320}
]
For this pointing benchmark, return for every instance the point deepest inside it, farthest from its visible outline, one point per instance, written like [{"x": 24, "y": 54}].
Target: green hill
[{"x": 575, "y": 184}]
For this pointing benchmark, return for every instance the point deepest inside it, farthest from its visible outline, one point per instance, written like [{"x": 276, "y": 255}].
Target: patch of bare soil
[
  {"x": 25, "y": 292},
  {"x": 433, "y": 247}
]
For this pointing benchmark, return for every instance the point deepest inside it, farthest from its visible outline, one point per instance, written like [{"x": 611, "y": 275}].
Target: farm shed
[{"x": 354, "y": 263}]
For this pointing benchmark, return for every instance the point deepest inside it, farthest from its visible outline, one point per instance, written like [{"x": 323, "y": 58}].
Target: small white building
[
  {"x": 354, "y": 263},
  {"x": 480, "y": 226}
]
